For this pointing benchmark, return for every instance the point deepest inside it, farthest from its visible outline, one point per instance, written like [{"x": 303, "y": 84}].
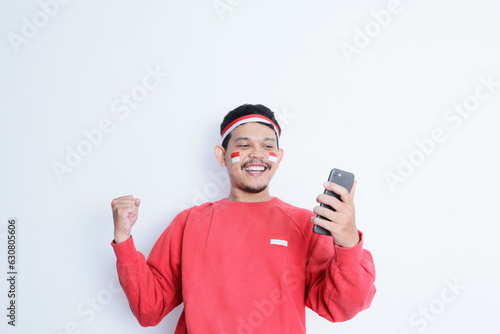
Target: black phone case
[{"x": 340, "y": 177}]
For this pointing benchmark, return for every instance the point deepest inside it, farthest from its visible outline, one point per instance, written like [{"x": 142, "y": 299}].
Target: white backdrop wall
[{"x": 101, "y": 99}]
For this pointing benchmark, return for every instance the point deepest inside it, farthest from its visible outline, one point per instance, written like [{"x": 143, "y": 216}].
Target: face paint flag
[
  {"x": 273, "y": 157},
  {"x": 235, "y": 157}
]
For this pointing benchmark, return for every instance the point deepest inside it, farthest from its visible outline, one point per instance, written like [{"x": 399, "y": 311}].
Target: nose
[{"x": 258, "y": 153}]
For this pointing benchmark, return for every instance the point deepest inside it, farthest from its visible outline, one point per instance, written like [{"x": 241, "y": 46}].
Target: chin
[{"x": 255, "y": 189}]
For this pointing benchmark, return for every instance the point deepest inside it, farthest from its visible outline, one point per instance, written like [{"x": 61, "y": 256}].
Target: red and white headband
[{"x": 247, "y": 119}]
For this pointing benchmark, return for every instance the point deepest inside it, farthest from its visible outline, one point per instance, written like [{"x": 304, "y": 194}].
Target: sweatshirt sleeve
[
  {"x": 152, "y": 286},
  {"x": 340, "y": 280}
]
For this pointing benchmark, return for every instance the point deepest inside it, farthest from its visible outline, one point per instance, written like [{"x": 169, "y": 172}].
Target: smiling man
[
  {"x": 255, "y": 145},
  {"x": 248, "y": 263}
]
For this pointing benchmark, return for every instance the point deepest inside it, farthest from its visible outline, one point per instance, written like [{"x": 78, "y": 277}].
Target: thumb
[
  {"x": 353, "y": 188},
  {"x": 137, "y": 202}
]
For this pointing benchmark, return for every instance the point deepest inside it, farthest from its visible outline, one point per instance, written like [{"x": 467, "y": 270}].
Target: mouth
[{"x": 255, "y": 170}]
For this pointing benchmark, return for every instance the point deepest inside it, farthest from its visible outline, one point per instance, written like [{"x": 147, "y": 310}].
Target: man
[{"x": 248, "y": 263}]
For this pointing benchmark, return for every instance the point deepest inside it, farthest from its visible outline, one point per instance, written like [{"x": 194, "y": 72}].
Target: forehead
[{"x": 253, "y": 131}]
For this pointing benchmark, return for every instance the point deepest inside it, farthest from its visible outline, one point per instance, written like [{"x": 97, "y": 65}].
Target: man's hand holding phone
[{"x": 341, "y": 221}]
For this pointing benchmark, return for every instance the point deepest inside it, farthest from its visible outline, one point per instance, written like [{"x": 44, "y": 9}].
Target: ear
[{"x": 220, "y": 155}]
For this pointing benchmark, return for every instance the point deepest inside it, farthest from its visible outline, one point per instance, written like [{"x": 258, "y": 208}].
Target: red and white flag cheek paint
[
  {"x": 235, "y": 157},
  {"x": 273, "y": 157}
]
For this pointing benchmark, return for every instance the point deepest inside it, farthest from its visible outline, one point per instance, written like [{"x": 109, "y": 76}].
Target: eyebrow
[{"x": 248, "y": 138}]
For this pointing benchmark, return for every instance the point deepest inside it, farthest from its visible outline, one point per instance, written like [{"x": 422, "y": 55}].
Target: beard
[{"x": 255, "y": 189}]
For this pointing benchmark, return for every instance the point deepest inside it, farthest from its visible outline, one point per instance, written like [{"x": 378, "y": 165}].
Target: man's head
[
  {"x": 247, "y": 111},
  {"x": 250, "y": 150}
]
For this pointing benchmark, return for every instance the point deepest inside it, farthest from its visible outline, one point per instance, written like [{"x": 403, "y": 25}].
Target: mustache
[{"x": 256, "y": 162}]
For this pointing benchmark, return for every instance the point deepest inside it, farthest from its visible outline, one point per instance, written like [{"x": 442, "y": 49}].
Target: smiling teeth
[{"x": 255, "y": 168}]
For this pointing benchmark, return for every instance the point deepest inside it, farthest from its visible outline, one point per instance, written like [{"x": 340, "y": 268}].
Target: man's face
[{"x": 253, "y": 172}]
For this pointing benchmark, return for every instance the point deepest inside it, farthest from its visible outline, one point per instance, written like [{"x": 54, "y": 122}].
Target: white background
[{"x": 363, "y": 111}]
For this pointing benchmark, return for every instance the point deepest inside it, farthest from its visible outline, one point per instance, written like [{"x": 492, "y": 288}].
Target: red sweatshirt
[{"x": 245, "y": 268}]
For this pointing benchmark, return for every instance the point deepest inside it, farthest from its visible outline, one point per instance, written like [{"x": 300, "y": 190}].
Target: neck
[{"x": 238, "y": 195}]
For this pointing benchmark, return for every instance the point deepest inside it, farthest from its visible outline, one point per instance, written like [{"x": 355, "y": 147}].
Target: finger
[
  {"x": 326, "y": 224},
  {"x": 335, "y": 203},
  {"x": 121, "y": 200},
  {"x": 127, "y": 201},
  {"x": 324, "y": 212},
  {"x": 125, "y": 198},
  {"x": 344, "y": 194},
  {"x": 340, "y": 218}
]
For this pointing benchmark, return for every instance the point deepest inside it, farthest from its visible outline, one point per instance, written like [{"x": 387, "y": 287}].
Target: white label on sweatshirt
[{"x": 279, "y": 242}]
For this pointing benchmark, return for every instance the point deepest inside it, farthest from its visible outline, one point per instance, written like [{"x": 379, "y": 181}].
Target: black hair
[{"x": 248, "y": 109}]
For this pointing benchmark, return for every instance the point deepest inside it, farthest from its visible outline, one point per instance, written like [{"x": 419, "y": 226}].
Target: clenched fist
[{"x": 125, "y": 210}]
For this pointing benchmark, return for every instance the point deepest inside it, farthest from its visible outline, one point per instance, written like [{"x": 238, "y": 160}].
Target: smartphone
[{"x": 340, "y": 177}]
